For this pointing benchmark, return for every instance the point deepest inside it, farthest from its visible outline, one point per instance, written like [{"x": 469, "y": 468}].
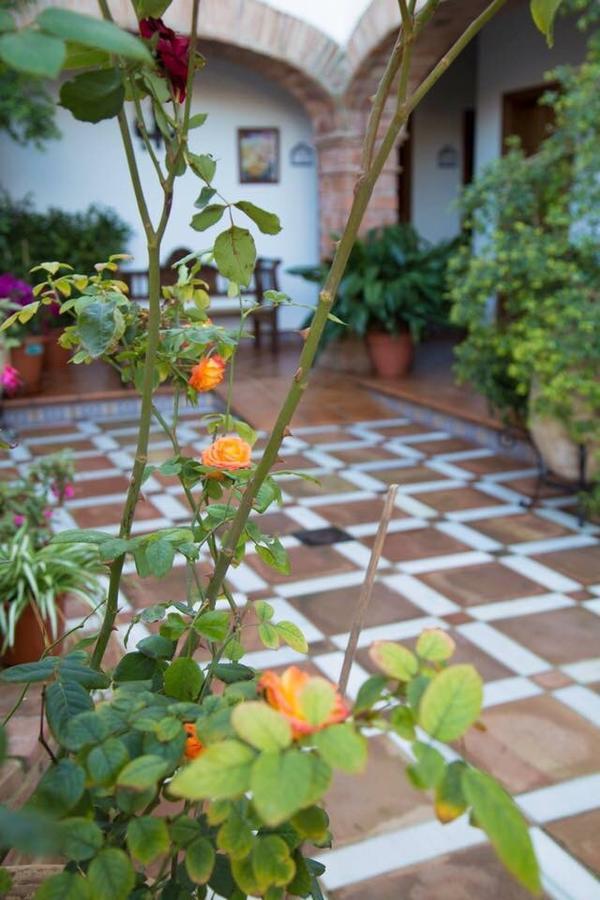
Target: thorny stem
[{"x": 363, "y": 192}]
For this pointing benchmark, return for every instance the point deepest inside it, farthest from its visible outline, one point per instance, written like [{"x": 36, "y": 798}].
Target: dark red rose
[{"x": 172, "y": 51}]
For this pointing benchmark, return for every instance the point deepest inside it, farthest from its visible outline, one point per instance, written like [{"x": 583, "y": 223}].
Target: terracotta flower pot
[
  {"x": 27, "y": 360},
  {"x": 392, "y": 355},
  {"x": 56, "y": 357},
  {"x": 29, "y": 639}
]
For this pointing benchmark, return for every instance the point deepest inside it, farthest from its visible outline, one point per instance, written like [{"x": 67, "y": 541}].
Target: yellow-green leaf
[
  {"x": 394, "y": 660},
  {"x": 451, "y": 703}
]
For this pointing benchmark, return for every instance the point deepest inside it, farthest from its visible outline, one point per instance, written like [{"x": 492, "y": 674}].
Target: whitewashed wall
[
  {"x": 438, "y": 122},
  {"x": 513, "y": 55},
  {"x": 88, "y": 166}
]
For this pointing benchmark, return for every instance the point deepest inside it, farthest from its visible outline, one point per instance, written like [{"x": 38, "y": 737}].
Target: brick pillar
[{"x": 339, "y": 151}]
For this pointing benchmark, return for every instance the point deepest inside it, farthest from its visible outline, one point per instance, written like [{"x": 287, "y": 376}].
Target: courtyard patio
[{"x": 517, "y": 588}]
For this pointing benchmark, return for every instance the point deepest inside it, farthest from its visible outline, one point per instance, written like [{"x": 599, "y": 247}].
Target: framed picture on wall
[{"x": 258, "y": 155}]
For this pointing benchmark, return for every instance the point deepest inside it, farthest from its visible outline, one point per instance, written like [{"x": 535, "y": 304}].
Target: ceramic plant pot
[
  {"x": 29, "y": 639},
  {"x": 392, "y": 355},
  {"x": 28, "y": 360},
  {"x": 56, "y": 358}
]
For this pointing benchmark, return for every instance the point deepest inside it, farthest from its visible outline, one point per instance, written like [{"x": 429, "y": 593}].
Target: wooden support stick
[{"x": 367, "y": 589}]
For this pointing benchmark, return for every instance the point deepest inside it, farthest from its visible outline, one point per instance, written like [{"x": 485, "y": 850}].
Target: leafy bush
[
  {"x": 394, "y": 280},
  {"x": 27, "y": 236}
]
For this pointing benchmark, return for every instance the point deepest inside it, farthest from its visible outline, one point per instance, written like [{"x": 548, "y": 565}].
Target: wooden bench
[{"x": 222, "y": 306}]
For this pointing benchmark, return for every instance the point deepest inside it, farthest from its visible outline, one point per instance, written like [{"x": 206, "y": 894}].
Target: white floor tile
[
  {"x": 543, "y": 575},
  {"x": 554, "y": 545},
  {"x": 585, "y": 672},
  {"x": 582, "y": 700},
  {"x": 469, "y": 536},
  {"x": 505, "y": 690},
  {"x": 426, "y": 598},
  {"x": 450, "y": 561},
  {"x": 524, "y": 606},
  {"x": 557, "y": 801},
  {"x": 396, "y": 631},
  {"x": 504, "y": 649},
  {"x": 562, "y": 876}
]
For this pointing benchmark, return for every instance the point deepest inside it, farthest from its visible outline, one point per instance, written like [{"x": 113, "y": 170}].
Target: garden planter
[
  {"x": 29, "y": 639},
  {"x": 56, "y": 357},
  {"x": 28, "y": 360},
  {"x": 560, "y": 454},
  {"x": 392, "y": 355}
]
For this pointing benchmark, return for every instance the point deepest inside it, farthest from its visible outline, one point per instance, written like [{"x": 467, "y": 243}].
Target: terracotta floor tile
[
  {"x": 292, "y": 462},
  {"x": 8, "y": 473},
  {"x": 552, "y": 680},
  {"x": 579, "y": 835},
  {"x": 75, "y": 445},
  {"x": 379, "y": 799},
  {"x": 112, "y": 484},
  {"x": 364, "y": 454},
  {"x": 90, "y": 463},
  {"x": 305, "y": 562},
  {"x": 331, "y": 611},
  {"x": 328, "y": 484},
  {"x": 474, "y": 874},
  {"x": 410, "y": 428},
  {"x": 46, "y": 431},
  {"x": 449, "y": 445},
  {"x": 529, "y": 486},
  {"x": 173, "y": 587},
  {"x": 489, "y": 668},
  {"x": 582, "y": 563},
  {"x": 418, "y": 544},
  {"x": 407, "y": 475},
  {"x": 490, "y": 465},
  {"x": 331, "y": 436},
  {"x": 533, "y": 742},
  {"x": 110, "y": 514},
  {"x": 486, "y": 583},
  {"x": 515, "y": 529},
  {"x": 276, "y": 523},
  {"x": 357, "y": 512},
  {"x": 458, "y": 498},
  {"x": 561, "y": 636}
]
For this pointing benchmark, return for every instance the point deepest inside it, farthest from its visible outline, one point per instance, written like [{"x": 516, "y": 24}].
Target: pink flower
[
  {"x": 69, "y": 492},
  {"x": 19, "y": 520},
  {"x": 172, "y": 51},
  {"x": 10, "y": 379},
  {"x": 47, "y": 513}
]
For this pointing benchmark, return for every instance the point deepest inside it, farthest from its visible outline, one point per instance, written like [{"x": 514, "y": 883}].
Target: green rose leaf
[
  {"x": 210, "y": 215},
  {"x": 134, "y": 667},
  {"x": 96, "y": 323},
  {"x": 280, "y": 782},
  {"x": 156, "y": 647},
  {"x": 7, "y": 23},
  {"x": 435, "y": 645},
  {"x": 147, "y": 838},
  {"x": 267, "y": 222},
  {"x": 213, "y": 624},
  {"x": 84, "y": 730},
  {"x": 312, "y": 823},
  {"x": 292, "y": 636},
  {"x": 143, "y": 773},
  {"x": 64, "y": 700},
  {"x": 503, "y": 823},
  {"x": 261, "y": 726},
  {"x": 92, "y": 32},
  {"x": 28, "y": 673},
  {"x": 271, "y": 862},
  {"x": 268, "y": 635},
  {"x": 235, "y": 255},
  {"x": 91, "y": 97},
  {"x": 183, "y": 679},
  {"x": 204, "y": 166},
  {"x": 451, "y": 703},
  {"x": 31, "y": 52},
  {"x": 80, "y": 838},
  {"x": 317, "y": 700},
  {"x": 394, "y": 660},
  {"x": 64, "y": 886},
  {"x": 543, "y": 13},
  {"x": 221, "y": 771},
  {"x": 159, "y": 556},
  {"x": 199, "y": 860},
  {"x": 403, "y": 722},
  {"x": 60, "y": 788},
  {"x": 105, "y": 761},
  {"x": 342, "y": 747},
  {"x": 369, "y": 693},
  {"x": 111, "y": 875},
  {"x": 205, "y": 196},
  {"x": 428, "y": 769},
  {"x": 450, "y": 801},
  {"x": 235, "y": 836}
]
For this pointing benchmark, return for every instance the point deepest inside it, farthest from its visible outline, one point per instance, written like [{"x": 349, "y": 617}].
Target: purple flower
[
  {"x": 19, "y": 520},
  {"x": 47, "y": 513},
  {"x": 15, "y": 290},
  {"x": 10, "y": 379},
  {"x": 69, "y": 492}
]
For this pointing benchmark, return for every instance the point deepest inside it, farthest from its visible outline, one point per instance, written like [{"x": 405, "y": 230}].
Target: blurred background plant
[{"x": 31, "y": 499}]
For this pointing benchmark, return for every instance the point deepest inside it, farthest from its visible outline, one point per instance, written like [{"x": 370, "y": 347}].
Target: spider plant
[{"x": 39, "y": 576}]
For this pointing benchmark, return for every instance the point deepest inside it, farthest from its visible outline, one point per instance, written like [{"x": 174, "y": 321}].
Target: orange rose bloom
[
  {"x": 207, "y": 374},
  {"x": 193, "y": 746},
  {"x": 282, "y": 692},
  {"x": 229, "y": 452}
]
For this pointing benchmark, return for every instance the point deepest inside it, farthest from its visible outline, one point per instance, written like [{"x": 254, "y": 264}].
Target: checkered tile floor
[{"x": 518, "y": 588}]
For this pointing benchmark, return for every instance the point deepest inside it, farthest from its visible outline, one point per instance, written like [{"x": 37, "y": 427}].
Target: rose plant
[{"x": 180, "y": 770}]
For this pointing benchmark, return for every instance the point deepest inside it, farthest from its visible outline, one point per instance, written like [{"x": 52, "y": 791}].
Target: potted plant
[
  {"x": 534, "y": 352},
  {"x": 392, "y": 292},
  {"x": 34, "y": 582},
  {"x": 32, "y": 499},
  {"x": 25, "y": 340}
]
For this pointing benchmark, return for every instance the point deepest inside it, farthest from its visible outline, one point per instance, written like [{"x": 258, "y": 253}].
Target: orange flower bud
[
  {"x": 229, "y": 452},
  {"x": 282, "y": 692},
  {"x": 207, "y": 374},
  {"x": 193, "y": 746}
]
